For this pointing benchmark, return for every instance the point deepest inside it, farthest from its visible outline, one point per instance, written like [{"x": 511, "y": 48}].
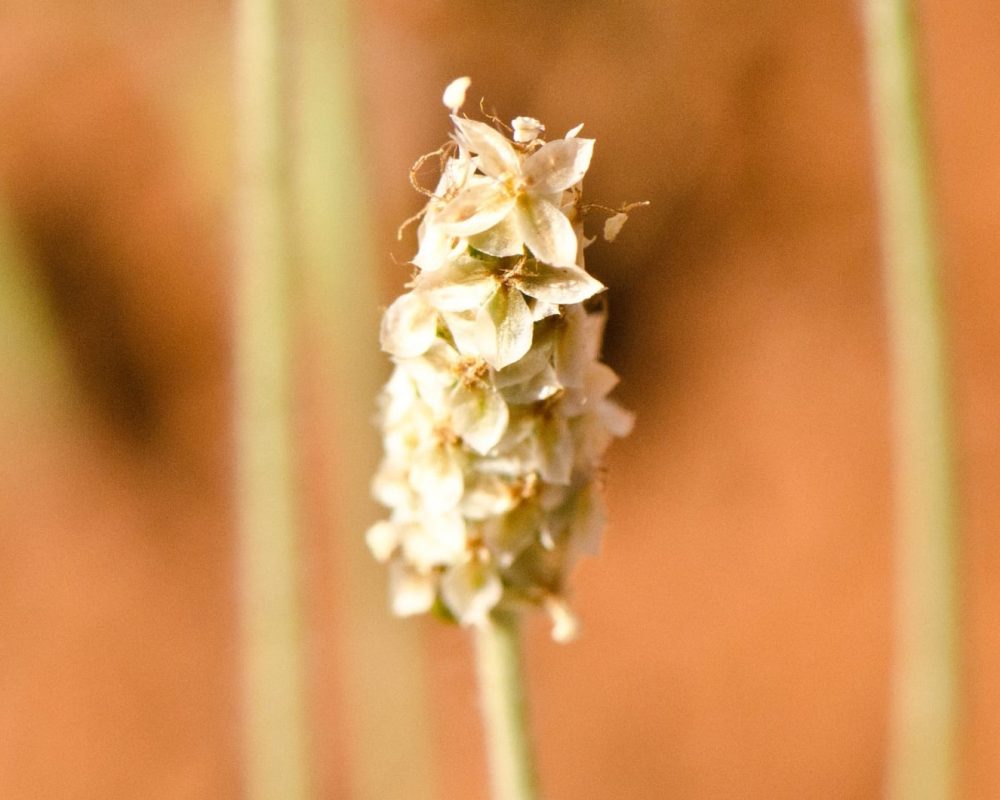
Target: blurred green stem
[
  {"x": 923, "y": 734},
  {"x": 37, "y": 383},
  {"x": 383, "y": 696},
  {"x": 277, "y": 766},
  {"x": 508, "y": 740}
]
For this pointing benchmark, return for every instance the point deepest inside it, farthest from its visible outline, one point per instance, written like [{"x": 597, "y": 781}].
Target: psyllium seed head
[{"x": 497, "y": 415}]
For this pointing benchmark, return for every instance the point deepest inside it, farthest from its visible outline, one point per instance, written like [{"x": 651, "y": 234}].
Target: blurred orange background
[{"x": 737, "y": 627}]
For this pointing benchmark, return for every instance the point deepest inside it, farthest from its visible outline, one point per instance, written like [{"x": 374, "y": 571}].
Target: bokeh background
[{"x": 738, "y": 624}]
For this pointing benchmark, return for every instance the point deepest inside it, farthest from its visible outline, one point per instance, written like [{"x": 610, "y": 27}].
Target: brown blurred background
[{"x": 737, "y": 626}]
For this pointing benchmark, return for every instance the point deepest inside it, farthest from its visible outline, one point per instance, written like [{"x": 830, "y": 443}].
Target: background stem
[
  {"x": 383, "y": 698},
  {"x": 274, "y": 675},
  {"x": 498, "y": 661},
  {"x": 923, "y": 749}
]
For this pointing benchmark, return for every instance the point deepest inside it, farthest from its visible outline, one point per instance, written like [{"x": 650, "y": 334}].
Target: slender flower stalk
[
  {"x": 498, "y": 662},
  {"x": 923, "y": 746},
  {"x": 274, "y": 706},
  {"x": 496, "y": 416}
]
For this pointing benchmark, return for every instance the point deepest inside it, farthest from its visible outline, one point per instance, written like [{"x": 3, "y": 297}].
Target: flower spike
[{"x": 496, "y": 417}]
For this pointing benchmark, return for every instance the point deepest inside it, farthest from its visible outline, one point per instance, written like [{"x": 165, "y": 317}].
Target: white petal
[
  {"x": 524, "y": 370},
  {"x": 578, "y": 346},
  {"x": 502, "y": 240},
  {"x": 408, "y": 326},
  {"x": 463, "y": 285},
  {"x": 541, "y": 385},
  {"x": 526, "y": 129},
  {"x": 471, "y": 591},
  {"x": 463, "y": 331},
  {"x": 517, "y": 441},
  {"x": 599, "y": 380},
  {"x": 479, "y": 416},
  {"x": 589, "y": 518},
  {"x": 391, "y": 485},
  {"x": 572, "y": 133},
  {"x": 592, "y": 439},
  {"x": 555, "y": 450},
  {"x": 432, "y": 375},
  {"x": 558, "y": 165},
  {"x": 410, "y": 592},
  {"x": 558, "y": 285},
  {"x": 456, "y": 173},
  {"x": 477, "y": 207},
  {"x": 396, "y": 397},
  {"x": 613, "y": 226},
  {"x": 437, "y": 476},
  {"x": 436, "y": 246},
  {"x": 435, "y": 541},
  {"x": 382, "y": 539},
  {"x": 497, "y": 156},
  {"x": 546, "y": 231},
  {"x": 543, "y": 310},
  {"x": 616, "y": 419},
  {"x": 486, "y": 496},
  {"x": 504, "y": 327},
  {"x": 532, "y": 378},
  {"x": 440, "y": 357},
  {"x": 565, "y": 625},
  {"x": 454, "y": 94},
  {"x": 552, "y": 497},
  {"x": 509, "y": 535}
]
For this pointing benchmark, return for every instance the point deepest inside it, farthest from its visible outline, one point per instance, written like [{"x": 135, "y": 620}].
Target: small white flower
[
  {"x": 516, "y": 200},
  {"x": 526, "y": 129},
  {"x": 408, "y": 326},
  {"x": 433, "y": 540},
  {"x": 488, "y": 495},
  {"x": 461, "y": 391},
  {"x": 471, "y": 590},
  {"x": 382, "y": 539},
  {"x": 497, "y": 295},
  {"x": 410, "y": 592}
]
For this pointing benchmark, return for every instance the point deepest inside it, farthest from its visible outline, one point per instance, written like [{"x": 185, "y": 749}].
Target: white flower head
[{"x": 497, "y": 414}]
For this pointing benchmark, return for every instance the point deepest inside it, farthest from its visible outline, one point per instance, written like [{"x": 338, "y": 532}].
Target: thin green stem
[
  {"x": 383, "y": 691},
  {"x": 923, "y": 735},
  {"x": 508, "y": 739},
  {"x": 277, "y": 765}
]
